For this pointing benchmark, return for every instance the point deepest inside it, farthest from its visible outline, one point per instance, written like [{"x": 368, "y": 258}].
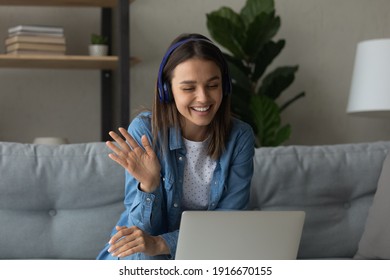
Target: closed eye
[{"x": 188, "y": 89}]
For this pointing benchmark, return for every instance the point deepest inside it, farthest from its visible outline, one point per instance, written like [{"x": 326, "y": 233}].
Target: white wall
[{"x": 321, "y": 38}]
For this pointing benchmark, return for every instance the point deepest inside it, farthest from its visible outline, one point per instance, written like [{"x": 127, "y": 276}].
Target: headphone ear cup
[{"x": 167, "y": 93}]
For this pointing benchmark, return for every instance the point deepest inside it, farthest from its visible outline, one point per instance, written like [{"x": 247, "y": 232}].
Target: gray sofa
[{"x": 61, "y": 202}]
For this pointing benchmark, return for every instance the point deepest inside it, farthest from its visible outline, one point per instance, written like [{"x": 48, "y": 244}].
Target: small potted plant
[{"x": 98, "y": 46}]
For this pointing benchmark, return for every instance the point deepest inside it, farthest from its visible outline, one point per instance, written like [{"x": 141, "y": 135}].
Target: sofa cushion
[
  {"x": 57, "y": 201},
  {"x": 333, "y": 184},
  {"x": 375, "y": 242}
]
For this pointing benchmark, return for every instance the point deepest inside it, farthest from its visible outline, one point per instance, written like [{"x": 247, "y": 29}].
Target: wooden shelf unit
[
  {"x": 58, "y": 61},
  {"x": 120, "y": 63},
  {"x": 61, "y": 61}
]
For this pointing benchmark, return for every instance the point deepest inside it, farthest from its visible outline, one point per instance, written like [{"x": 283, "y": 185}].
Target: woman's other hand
[
  {"x": 141, "y": 162},
  {"x": 128, "y": 241}
]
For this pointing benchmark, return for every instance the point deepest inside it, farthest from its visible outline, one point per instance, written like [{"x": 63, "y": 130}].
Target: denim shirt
[{"x": 159, "y": 213}]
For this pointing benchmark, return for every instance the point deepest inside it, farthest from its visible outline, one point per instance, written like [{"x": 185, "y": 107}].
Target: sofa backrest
[
  {"x": 57, "y": 201},
  {"x": 63, "y": 201},
  {"x": 333, "y": 184}
]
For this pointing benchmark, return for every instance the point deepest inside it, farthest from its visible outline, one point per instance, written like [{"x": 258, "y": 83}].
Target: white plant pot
[{"x": 98, "y": 50}]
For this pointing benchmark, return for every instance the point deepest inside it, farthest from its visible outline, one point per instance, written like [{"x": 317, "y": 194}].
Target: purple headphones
[{"x": 164, "y": 88}]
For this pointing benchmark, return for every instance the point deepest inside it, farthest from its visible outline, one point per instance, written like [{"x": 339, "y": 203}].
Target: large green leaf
[
  {"x": 230, "y": 14},
  {"x": 242, "y": 89},
  {"x": 281, "y": 136},
  {"x": 267, "y": 120},
  {"x": 238, "y": 63},
  {"x": 226, "y": 19},
  {"x": 239, "y": 73},
  {"x": 268, "y": 53},
  {"x": 262, "y": 29},
  {"x": 243, "y": 96},
  {"x": 277, "y": 81},
  {"x": 241, "y": 100},
  {"x": 253, "y": 8}
]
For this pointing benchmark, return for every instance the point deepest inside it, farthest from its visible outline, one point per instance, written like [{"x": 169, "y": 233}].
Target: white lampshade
[{"x": 370, "y": 87}]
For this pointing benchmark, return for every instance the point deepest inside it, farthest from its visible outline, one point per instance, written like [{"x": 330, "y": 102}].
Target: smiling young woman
[
  {"x": 197, "y": 91},
  {"x": 187, "y": 154}
]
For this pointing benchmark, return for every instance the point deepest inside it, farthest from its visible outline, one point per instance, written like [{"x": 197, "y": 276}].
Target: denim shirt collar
[{"x": 175, "y": 139}]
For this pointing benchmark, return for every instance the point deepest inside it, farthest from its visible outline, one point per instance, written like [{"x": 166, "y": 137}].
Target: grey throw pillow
[{"x": 375, "y": 242}]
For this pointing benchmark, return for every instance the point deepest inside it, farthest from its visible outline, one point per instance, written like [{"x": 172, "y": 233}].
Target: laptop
[{"x": 239, "y": 235}]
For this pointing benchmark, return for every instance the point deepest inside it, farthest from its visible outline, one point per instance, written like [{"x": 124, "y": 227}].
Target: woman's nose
[{"x": 202, "y": 94}]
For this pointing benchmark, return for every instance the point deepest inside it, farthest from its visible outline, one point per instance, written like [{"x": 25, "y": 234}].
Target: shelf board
[
  {"x": 80, "y": 3},
  {"x": 61, "y": 61}
]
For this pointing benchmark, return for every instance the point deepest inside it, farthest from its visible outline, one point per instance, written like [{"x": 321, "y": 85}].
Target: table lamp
[{"x": 370, "y": 86}]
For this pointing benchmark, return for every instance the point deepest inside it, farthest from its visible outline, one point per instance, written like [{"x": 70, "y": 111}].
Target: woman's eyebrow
[
  {"x": 188, "y": 82},
  {"x": 194, "y": 82},
  {"x": 213, "y": 78}
]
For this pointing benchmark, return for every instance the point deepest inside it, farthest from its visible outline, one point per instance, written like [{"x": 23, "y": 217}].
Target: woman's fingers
[
  {"x": 122, "y": 231},
  {"x": 122, "y": 143},
  {"x": 130, "y": 250},
  {"x": 127, "y": 247},
  {"x": 126, "y": 241},
  {"x": 118, "y": 156},
  {"x": 113, "y": 147},
  {"x": 123, "y": 148},
  {"x": 133, "y": 144},
  {"x": 146, "y": 145}
]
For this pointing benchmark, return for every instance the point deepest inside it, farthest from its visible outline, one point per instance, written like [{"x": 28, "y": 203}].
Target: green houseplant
[
  {"x": 97, "y": 39},
  {"x": 98, "y": 45},
  {"x": 248, "y": 37}
]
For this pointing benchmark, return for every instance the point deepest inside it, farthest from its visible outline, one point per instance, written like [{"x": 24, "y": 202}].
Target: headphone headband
[{"x": 163, "y": 88}]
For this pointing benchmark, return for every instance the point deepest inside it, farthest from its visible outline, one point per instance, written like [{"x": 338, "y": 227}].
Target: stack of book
[{"x": 33, "y": 39}]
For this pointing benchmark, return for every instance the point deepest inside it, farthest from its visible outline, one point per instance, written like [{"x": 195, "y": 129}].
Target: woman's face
[{"x": 197, "y": 90}]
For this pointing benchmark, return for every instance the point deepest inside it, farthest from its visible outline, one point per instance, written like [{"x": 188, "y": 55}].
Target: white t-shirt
[{"x": 198, "y": 173}]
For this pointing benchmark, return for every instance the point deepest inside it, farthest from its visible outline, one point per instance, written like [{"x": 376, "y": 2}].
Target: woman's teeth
[{"x": 201, "y": 109}]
